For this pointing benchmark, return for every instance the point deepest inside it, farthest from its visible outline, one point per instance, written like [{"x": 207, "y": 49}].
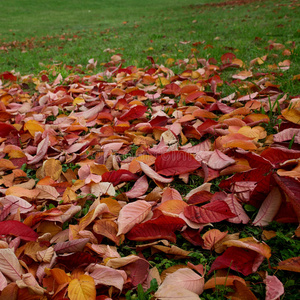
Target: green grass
[{"x": 38, "y": 33}]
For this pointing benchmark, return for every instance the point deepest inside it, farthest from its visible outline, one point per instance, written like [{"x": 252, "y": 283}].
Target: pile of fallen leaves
[{"x": 89, "y": 163}]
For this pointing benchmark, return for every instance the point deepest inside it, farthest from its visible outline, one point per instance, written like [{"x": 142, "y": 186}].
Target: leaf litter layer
[{"x": 94, "y": 169}]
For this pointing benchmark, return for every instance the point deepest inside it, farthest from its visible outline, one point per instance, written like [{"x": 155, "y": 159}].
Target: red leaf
[
  {"x": 172, "y": 89},
  {"x": 116, "y": 177},
  {"x": 200, "y": 197},
  {"x": 8, "y": 76},
  {"x": 277, "y": 155},
  {"x": 227, "y": 57},
  {"x": 162, "y": 227},
  {"x": 134, "y": 112},
  {"x": 238, "y": 259},
  {"x": 175, "y": 163},
  {"x": 6, "y": 129},
  {"x": 291, "y": 187},
  {"x": 16, "y": 228},
  {"x": 193, "y": 236},
  {"x": 75, "y": 260},
  {"x": 160, "y": 121},
  {"x": 216, "y": 211}
]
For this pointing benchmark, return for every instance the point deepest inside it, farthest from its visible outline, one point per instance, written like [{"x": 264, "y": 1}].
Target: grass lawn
[
  {"x": 40, "y": 38},
  {"x": 33, "y": 33}
]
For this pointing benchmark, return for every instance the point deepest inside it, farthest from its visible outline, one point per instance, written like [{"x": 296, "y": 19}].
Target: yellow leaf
[
  {"x": 170, "y": 62},
  {"x": 33, "y": 126},
  {"x": 78, "y": 100},
  {"x": 292, "y": 115},
  {"x": 82, "y": 288},
  {"x": 162, "y": 81}
]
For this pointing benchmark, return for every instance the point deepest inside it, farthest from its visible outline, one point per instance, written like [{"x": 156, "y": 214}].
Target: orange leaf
[
  {"x": 226, "y": 280},
  {"x": 21, "y": 192},
  {"x": 109, "y": 229},
  {"x": 113, "y": 206},
  {"x": 233, "y": 140},
  {"x": 295, "y": 172},
  {"x": 60, "y": 276},
  {"x": 92, "y": 215},
  {"x": 211, "y": 237},
  {"x": 6, "y": 164},
  {"x": 134, "y": 166},
  {"x": 241, "y": 165},
  {"x": 52, "y": 168},
  {"x": 82, "y": 288},
  {"x": 202, "y": 113},
  {"x": 291, "y": 264},
  {"x": 242, "y": 292},
  {"x": 172, "y": 206},
  {"x": 257, "y": 118},
  {"x": 186, "y": 118}
]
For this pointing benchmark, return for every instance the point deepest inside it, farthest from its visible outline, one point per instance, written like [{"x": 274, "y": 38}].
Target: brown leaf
[{"x": 52, "y": 168}]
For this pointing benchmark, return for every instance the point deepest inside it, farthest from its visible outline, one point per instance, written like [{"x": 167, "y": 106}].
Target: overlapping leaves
[{"x": 89, "y": 165}]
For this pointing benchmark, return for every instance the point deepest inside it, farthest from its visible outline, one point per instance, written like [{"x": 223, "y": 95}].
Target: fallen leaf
[
  {"x": 132, "y": 214},
  {"x": 82, "y": 288},
  {"x": 274, "y": 288}
]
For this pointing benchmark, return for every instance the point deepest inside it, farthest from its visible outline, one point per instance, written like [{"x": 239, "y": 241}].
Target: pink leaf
[
  {"x": 138, "y": 271},
  {"x": 215, "y": 211},
  {"x": 132, "y": 214},
  {"x": 186, "y": 279},
  {"x": 287, "y": 135},
  {"x": 41, "y": 151},
  {"x": 219, "y": 160},
  {"x": 90, "y": 113},
  {"x": 108, "y": 276},
  {"x": 159, "y": 149},
  {"x": 3, "y": 281},
  {"x": 153, "y": 175},
  {"x": 274, "y": 288},
  {"x": 71, "y": 246},
  {"x": 171, "y": 292},
  {"x": 9, "y": 264},
  {"x": 175, "y": 163},
  {"x": 17, "y": 228},
  {"x": 269, "y": 208},
  {"x": 139, "y": 188},
  {"x": 170, "y": 194},
  {"x": 236, "y": 208},
  {"x": 16, "y": 204}
]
